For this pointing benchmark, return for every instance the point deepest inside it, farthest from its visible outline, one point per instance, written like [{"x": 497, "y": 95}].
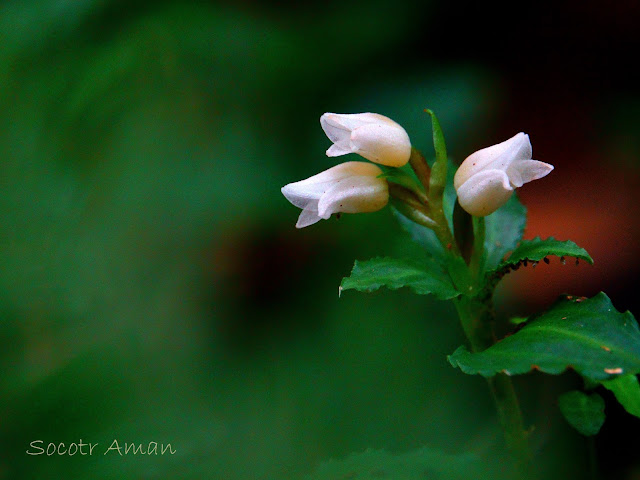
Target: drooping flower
[
  {"x": 351, "y": 187},
  {"x": 487, "y": 178},
  {"x": 373, "y": 136}
]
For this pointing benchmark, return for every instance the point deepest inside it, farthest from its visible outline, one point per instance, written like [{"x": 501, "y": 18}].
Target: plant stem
[
  {"x": 419, "y": 165},
  {"x": 478, "y": 253},
  {"x": 477, "y": 320},
  {"x": 411, "y": 205},
  {"x": 476, "y": 313},
  {"x": 510, "y": 416},
  {"x": 434, "y": 186}
]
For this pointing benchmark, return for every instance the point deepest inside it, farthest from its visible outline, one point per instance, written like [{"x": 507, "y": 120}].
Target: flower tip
[
  {"x": 486, "y": 179},
  {"x": 546, "y": 168},
  {"x": 372, "y": 136},
  {"x": 286, "y": 191},
  {"x": 351, "y": 187},
  {"x": 336, "y": 151},
  {"x": 328, "y": 118}
]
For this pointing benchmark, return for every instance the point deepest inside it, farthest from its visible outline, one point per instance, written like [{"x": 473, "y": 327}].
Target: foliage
[
  {"x": 423, "y": 279},
  {"x": 538, "y": 249},
  {"x": 504, "y": 229},
  {"x": 587, "y": 335},
  {"x": 627, "y": 391},
  {"x": 584, "y": 412}
]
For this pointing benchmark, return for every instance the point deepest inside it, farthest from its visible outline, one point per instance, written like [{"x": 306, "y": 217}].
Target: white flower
[
  {"x": 375, "y": 137},
  {"x": 350, "y": 187},
  {"x": 487, "y": 178}
]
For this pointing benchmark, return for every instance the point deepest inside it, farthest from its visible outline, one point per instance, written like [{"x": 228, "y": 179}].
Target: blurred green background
[{"x": 153, "y": 286}]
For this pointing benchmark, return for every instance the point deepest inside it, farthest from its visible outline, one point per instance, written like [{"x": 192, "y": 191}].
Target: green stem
[
  {"x": 411, "y": 204},
  {"x": 478, "y": 253},
  {"x": 476, "y": 313},
  {"x": 433, "y": 182},
  {"x": 477, "y": 320},
  {"x": 510, "y": 416},
  {"x": 437, "y": 184},
  {"x": 419, "y": 165}
]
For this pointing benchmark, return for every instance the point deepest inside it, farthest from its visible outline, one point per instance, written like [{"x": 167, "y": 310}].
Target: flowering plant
[{"x": 469, "y": 228}]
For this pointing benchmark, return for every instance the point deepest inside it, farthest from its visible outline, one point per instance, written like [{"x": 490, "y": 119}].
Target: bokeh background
[{"x": 153, "y": 286}]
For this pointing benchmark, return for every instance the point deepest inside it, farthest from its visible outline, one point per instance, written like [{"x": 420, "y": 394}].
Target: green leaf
[
  {"x": 504, "y": 229},
  {"x": 537, "y": 249},
  {"x": 418, "y": 464},
  {"x": 627, "y": 391},
  {"x": 423, "y": 278},
  {"x": 438, "y": 140},
  {"x": 423, "y": 236},
  {"x": 439, "y": 170},
  {"x": 584, "y": 412},
  {"x": 590, "y": 336},
  {"x": 450, "y": 197},
  {"x": 399, "y": 176}
]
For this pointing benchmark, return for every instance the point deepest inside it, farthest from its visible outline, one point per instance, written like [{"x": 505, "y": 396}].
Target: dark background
[{"x": 153, "y": 286}]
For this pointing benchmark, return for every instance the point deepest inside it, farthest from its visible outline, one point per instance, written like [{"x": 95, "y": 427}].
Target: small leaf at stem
[
  {"x": 584, "y": 412},
  {"x": 627, "y": 391},
  {"x": 421, "y": 235},
  {"x": 399, "y": 176},
  {"x": 423, "y": 278},
  {"x": 504, "y": 229},
  {"x": 588, "y": 335},
  {"x": 538, "y": 249},
  {"x": 438, "y": 179},
  {"x": 438, "y": 138}
]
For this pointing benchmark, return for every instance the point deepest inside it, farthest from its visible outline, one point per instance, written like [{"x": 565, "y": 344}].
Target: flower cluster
[
  {"x": 351, "y": 187},
  {"x": 484, "y": 182}
]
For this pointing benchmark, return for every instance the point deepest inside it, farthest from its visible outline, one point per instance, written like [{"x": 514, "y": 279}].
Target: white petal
[
  {"x": 354, "y": 195},
  {"x": 336, "y": 150},
  {"x": 301, "y": 198},
  {"x": 303, "y": 193},
  {"x": 497, "y": 157},
  {"x": 524, "y": 171},
  {"x": 307, "y": 217},
  {"x": 306, "y": 194},
  {"x": 336, "y": 131},
  {"x": 382, "y": 143},
  {"x": 351, "y": 121},
  {"x": 365, "y": 169},
  {"x": 485, "y": 192},
  {"x": 375, "y": 137}
]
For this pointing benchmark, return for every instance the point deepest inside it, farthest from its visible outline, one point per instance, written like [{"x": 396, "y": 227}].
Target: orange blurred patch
[{"x": 596, "y": 208}]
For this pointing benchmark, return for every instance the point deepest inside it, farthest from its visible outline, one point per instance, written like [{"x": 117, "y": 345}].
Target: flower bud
[
  {"x": 374, "y": 137},
  {"x": 487, "y": 178},
  {"x": 351, "y": 187}
]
